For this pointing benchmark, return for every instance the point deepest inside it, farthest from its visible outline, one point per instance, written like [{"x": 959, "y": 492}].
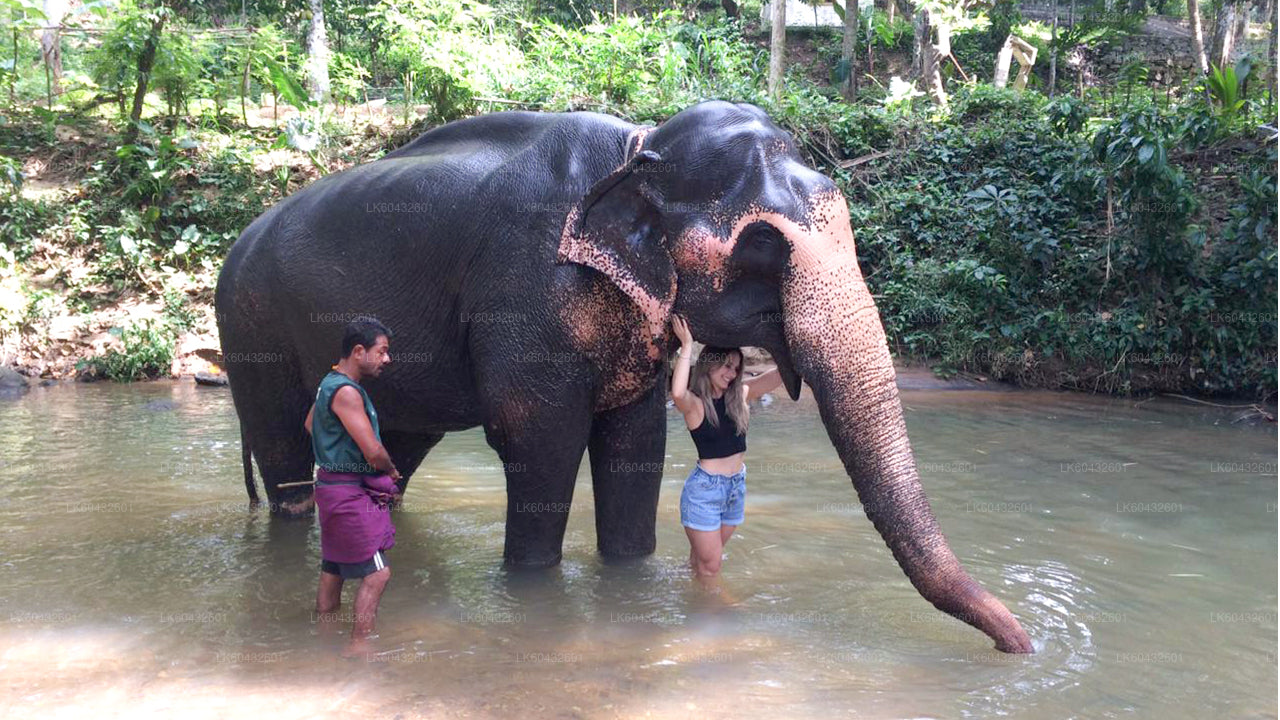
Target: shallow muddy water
[{"x": 1135, "y": 541}]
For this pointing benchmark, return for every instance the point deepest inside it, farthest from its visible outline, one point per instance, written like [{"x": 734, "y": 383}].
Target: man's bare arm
[
  {"x": 307, "y": 423},
  {"x": 349, "y": 408}
]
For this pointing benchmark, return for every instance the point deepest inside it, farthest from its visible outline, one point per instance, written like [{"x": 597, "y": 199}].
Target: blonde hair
[{"x": 709, "y": 359}]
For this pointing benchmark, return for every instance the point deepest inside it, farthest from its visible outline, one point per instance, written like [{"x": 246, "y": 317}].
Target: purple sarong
[{"x": 352, "y": 526}]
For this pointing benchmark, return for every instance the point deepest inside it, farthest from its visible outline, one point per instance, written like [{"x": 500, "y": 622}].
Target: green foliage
[
  {"x": 176, "y": 73},
  {"x": 347, "y": 78},
  {"x": 146, "y": 352},
  {"x": 638, "y": 67},
  {"x": 1000, "y": 261},
  {"x": 1097, "y": 28},
  {"x": 1053, "y": 242},
  {"x": 1004, "y": 15},
  {"x": 987, "y": 242},
  {"x": 987, "y": 102},
  {"x": 148, "y": 167},
  {"x": 452, "y": 47},
  {"x": 10, "y": 176},
  {"x": 1067, "y": 114},
  {"x": 886, "y": 35},
  {"x": 1226, "y": 85}
]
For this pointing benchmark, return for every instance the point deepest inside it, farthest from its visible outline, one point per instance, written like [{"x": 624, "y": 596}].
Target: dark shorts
[{"x": 355, "y": 571}]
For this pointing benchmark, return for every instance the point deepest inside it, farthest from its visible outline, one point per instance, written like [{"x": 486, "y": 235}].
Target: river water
[{"x": 1136, "y": 541}]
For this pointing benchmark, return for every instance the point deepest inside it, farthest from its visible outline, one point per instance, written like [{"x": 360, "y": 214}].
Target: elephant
[{"x": 528, "y": 265}]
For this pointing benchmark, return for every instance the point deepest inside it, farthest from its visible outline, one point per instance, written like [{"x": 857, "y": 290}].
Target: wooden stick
[
  {"x": 846, "y": 164},
  {"x": 1213, "y": 404},
  {"x": 296, "y": 484},
  {"x": 957, "y": 64}
]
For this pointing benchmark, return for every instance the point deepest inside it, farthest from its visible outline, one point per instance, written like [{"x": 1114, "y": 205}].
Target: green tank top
[{"x": 334, "y": 448}]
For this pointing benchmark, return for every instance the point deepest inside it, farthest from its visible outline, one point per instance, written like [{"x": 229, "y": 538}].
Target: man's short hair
[{"x": 363, "y": 331}]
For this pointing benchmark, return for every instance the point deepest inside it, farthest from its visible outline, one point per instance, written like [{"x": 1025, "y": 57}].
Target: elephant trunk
[{"x": 838, "y": 344}]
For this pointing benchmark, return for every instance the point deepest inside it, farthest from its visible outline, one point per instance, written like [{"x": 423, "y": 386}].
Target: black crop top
[{"x": 718, "y": 442}]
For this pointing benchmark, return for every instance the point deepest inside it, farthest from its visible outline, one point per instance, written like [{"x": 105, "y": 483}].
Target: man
[{"x": 355, "y": 481}]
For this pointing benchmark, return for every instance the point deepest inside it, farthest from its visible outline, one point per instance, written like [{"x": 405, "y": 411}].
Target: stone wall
[{"x": 1170, "y": 61}]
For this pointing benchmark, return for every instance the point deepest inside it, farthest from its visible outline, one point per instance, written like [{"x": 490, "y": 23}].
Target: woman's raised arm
[{"x": 685, "y": 400}]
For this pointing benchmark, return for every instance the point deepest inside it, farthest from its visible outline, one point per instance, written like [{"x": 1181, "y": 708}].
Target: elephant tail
[{"x": 246, "y": 457}]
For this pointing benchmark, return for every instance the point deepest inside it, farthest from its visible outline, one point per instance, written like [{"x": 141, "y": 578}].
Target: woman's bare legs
[{"x": 705, "y": 551}]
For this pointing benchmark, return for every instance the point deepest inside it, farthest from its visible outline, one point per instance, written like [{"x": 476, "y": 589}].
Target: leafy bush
[
  {"x": 147, "y": 352},
  {"x": 988, "y": 245},
  {"x": 113, "y": 64},
  {"x": 643, "y": 68},
  {"x": 450, "y": 46}
]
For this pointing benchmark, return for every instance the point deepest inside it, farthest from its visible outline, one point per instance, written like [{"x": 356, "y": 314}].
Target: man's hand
[{"x": 381, "y": 499}]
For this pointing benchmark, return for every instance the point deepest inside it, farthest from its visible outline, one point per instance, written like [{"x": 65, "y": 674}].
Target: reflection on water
[{"x": 1136, "y": 542}]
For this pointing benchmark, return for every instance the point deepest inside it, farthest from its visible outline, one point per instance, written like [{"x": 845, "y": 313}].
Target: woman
[{"x": 715, "y": 409}]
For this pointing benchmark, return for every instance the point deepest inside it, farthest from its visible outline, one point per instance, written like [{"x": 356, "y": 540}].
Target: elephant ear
[{"x": 617, "y": 230}]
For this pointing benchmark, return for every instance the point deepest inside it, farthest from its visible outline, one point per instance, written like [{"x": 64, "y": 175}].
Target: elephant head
[{"x": 713, "y": 214}]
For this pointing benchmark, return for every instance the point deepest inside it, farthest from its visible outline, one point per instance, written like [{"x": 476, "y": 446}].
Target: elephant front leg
[
  {"x": 541, "y": 448},
  {"x": 628, "y": 448}
]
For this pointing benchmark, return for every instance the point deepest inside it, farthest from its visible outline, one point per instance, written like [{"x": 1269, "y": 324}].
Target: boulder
[
  {"x": 211, "y": 379},
  {"x": 12, "y": 382}
]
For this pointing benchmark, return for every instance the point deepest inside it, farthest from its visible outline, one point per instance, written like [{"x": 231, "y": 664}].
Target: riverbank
[{"x": 1078, "y": 243}]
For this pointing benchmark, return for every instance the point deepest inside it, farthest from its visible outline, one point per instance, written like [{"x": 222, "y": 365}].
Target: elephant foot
[
  {"x": 540, "y": 561},
  {"x": 623, "y": 552},
  {"x": 293, "y": 505}
]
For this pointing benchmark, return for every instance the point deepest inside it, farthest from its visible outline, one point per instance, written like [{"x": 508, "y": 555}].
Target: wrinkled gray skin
[{"x": 528, "y": 265}]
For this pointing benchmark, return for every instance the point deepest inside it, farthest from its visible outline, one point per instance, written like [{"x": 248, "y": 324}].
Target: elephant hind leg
[
  {"x": 407, "y": 450},
  {"x": 272, "y": 403}
]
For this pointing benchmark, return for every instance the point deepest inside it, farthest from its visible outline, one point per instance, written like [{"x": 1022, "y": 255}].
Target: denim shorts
[{"x": 709, "y": 501}]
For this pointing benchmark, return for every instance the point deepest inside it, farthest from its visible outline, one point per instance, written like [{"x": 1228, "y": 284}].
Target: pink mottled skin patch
[
  {"x": 579, "y": 249},
  {"x": 606, "y": 327},
  {"x": 636, "y": 140},
  {"x": 825, "y": 238}
]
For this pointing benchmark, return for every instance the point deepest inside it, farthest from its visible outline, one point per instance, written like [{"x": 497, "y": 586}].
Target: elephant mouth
[{"x": 786, "y": 368}]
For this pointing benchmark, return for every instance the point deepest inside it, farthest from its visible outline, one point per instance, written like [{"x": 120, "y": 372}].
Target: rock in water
[
  {"x": 203, "y": 378},
  {"x": 12, "y": 382}
]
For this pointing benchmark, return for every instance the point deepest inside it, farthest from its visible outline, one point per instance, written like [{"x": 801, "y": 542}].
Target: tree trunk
[
  {"x": 244, "y": 84},
  {"x": 317, "y": 55},
  {"x": 926, "y": 60},
  {"x": 13, "y": 76},
  {"x": 1271, "y": 54},
  {"x": 1197, "y": 36},
  {"x": 145, "y": 61},
  {"x": 51, "y": 42},
  {"x": 1224, "y": 32},
  {"x": 847, "y": 48},
  {"x": 777, "y": 47},
  {"x": 1053, "y": 52},
  {"x": 920, "y": 25}
]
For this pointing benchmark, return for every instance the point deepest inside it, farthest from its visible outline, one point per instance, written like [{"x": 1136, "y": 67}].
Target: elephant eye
[
  {"x": 762, "y": 249},
  {"x": 763, "y": 236}
]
